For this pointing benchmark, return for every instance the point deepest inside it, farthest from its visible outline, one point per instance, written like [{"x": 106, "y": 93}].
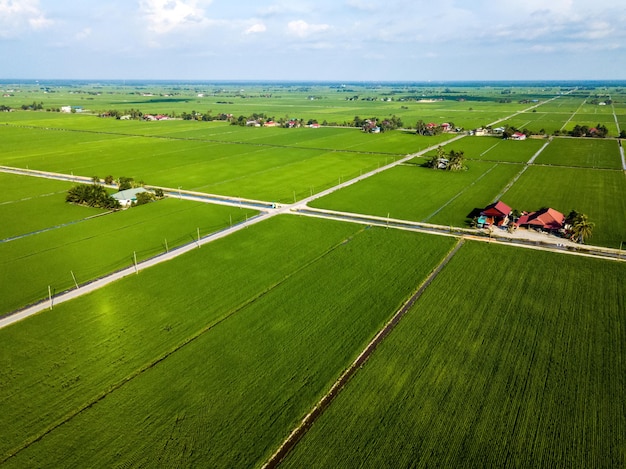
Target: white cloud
[
  {"x": 284, "y": 7},
  {"x": 165, "y": 16},
  {"x": 301, "y": 28},
  {"x": 18, "y": 15},
  {"x": 84, "y": 34},
  {"x": 256, "y": 28}
]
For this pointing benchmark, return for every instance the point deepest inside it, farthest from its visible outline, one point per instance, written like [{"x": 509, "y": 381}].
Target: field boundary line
[
  {"x": 575, "y": 112},
  {"x": 309, "y": 419},
  {"x": 190, "y": 339},
  {"x": 459, "y": 194},
  {"x": 518, "y": 175}
]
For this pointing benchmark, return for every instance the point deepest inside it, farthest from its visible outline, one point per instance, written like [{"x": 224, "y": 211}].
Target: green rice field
[
  {"x": 89, "y": 248},
  {"x": 511, "y": 356},
  {"x": 590, "y": 153},
  {"x": 245, "y": 394},
  {"x": 412, "y": 192},
  {"x": 485, "y": 373},
  {"x": 33, "y": 204}
]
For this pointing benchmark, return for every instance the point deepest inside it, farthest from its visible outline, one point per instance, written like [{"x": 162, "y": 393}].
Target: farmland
[
  {"x": 415, "y": 193},
  {"x": 484, "y": 373},
  {"x": 89, "y": 248},
  {"x": 586, "y": 153},
  {"x": 510, "y": 357},
  {"x": 335, "y": 311}
]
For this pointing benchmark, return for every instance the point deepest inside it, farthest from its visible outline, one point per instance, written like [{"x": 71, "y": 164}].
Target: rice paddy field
[
  {"x": 584, "y": 153},
  {"x": 254, "y": 170},
  {"x": 510, "y": 357},
  {"x": 485, "y": 373},
  {"x": 302, "y": 297},
  {"x": 84, "y": 249},
  {"x": 411, "y": 192}
]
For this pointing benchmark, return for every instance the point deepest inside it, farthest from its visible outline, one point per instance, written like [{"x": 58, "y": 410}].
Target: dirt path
[{"x": 336, "y": 388}]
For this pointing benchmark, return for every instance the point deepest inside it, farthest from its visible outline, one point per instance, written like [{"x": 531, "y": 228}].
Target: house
[
  {"x": 479, "y": 132},
  {"x": 496, "y": 213},
  {"x": 445, "y": 127},
  {"x": 128, "y": 197},
  {"x": 270, "y": 124},
  {"x": 545, "y": 219},
  {"x": 66, "y": 109},
  {"x": 315, "y": 125},
  {"x": 518, "y": 136}
]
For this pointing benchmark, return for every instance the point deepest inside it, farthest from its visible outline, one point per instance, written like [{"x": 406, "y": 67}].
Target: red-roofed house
[
  {"x": 496, "y": 214},
  {"x": 518, "y": 136},
  {"x": 545, "y": 219}
]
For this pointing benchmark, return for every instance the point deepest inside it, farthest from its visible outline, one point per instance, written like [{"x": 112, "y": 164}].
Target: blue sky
[{"x": 323, "y": 40}]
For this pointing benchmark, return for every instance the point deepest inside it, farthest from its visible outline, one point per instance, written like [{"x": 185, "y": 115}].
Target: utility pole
[
  {"x": 50, "y": 296},
  {"x": 135, "y": 258},
  {"x": 166, "y": 248}
]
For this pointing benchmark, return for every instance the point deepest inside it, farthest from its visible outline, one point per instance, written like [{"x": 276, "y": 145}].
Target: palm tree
[{"x": 581, "y": 228}]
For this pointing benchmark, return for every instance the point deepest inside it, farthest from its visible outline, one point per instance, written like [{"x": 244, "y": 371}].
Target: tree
[
  {"x": 109, "y": 180},
  {"x": 420, "y": 128},
  {"x": 125, "y": 183},
  {"x": 144, "y": 198},
  {"x": 581, "y": 228},
  {"x": 93, "y": 195},
  {"x": 456, "y": 161}
]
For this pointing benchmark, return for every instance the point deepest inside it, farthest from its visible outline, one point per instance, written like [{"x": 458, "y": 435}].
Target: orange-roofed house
[{"x": 546, "y": 219}]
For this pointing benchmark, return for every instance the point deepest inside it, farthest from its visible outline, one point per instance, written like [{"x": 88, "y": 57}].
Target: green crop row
[{"x": 511, "y": 358}]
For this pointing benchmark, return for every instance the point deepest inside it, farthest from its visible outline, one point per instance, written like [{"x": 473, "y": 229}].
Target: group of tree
[
  {"x": 117, "y": 114},
  {"x": 580, "y": 228},
  {"x": 32, "y": 107},
  {"x": 92, "y": 195},
  {"x": 96, "y": 195},
  {"x": 451, "y": 161},
  {"x": 583, "y": 131},
  {"x": 599, "y": 131}
]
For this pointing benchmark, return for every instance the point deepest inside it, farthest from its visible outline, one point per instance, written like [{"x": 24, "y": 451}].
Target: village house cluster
[{"x": 501, "y": 215}]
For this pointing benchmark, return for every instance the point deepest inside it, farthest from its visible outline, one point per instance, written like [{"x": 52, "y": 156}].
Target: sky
[{"x": 323, "y": 40}]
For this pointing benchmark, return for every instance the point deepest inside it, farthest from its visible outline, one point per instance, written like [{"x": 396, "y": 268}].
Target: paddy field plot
[
  {"x": 597, "y": 193},
  {"x": 264, "y": 172},
  {"x": 538, "y": 121},
  {"x": 583, "y": 152},
  {"x": 90, "y": 248},
  {"x": 495, "y": 149},
  {"x": 210, "y": 359},
  {"x": 412, "y": 192},
  {"x": 28, "y": 204},
  {"x": 487, "y": 372}
]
